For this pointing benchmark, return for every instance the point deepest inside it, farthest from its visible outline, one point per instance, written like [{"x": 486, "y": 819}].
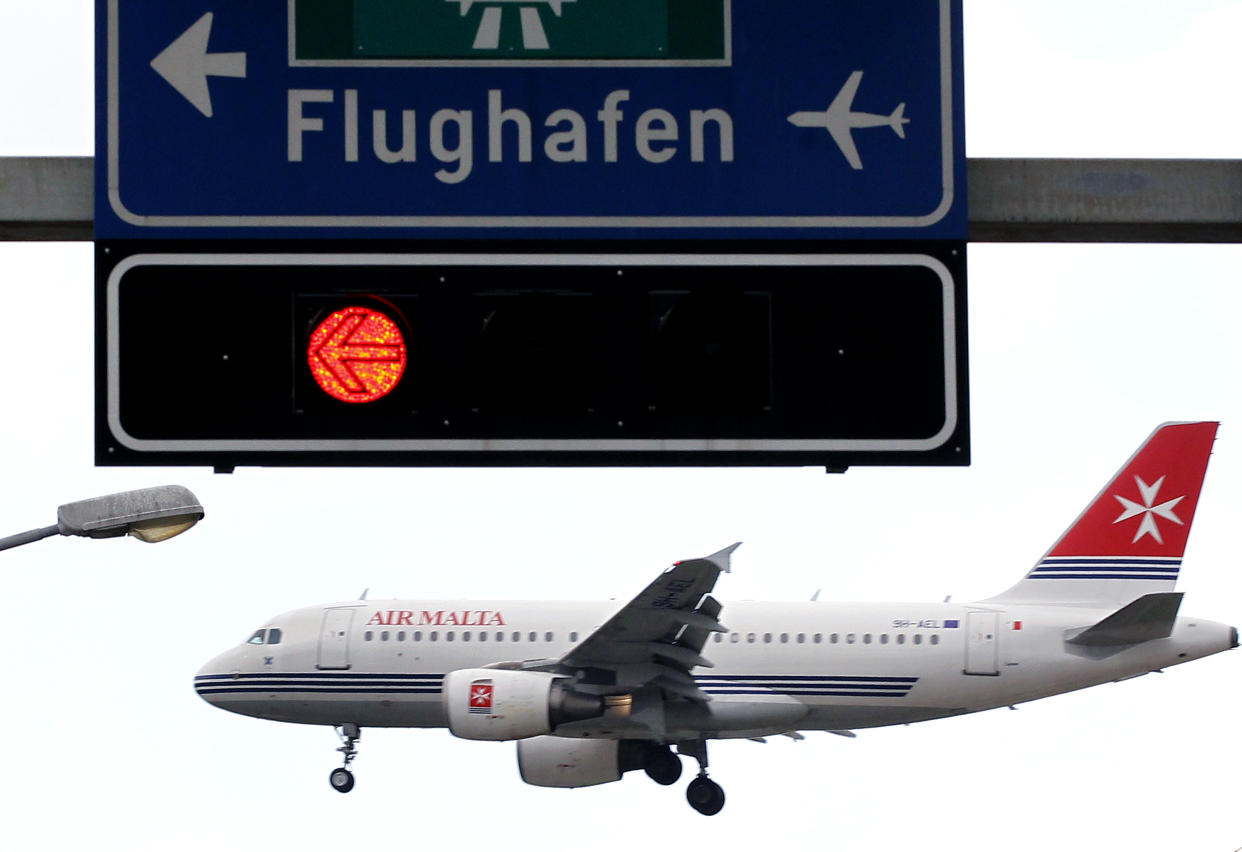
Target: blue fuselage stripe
[{"x": 358, "y": 683}]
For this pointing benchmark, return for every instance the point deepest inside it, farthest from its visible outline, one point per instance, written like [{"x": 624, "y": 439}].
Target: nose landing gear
[{"x": 341, "y": 779}]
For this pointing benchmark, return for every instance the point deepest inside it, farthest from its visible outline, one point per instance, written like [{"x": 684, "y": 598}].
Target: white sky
[{"x": 1076, "y": 353}]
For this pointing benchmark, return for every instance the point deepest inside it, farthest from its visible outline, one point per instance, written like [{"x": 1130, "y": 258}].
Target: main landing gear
[
  {"x": 661, "y": 765},
  {"x": 341, "y": 779},
  {"x": 704, "y": 795}
]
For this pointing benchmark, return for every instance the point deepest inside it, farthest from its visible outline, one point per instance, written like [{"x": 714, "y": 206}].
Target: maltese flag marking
[{"x": 481, "y": 696}]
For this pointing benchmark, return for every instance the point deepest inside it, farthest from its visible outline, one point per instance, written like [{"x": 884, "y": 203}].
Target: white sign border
[
  {"x": 140, "y": 220},
  {"x": 553, "y": 446}
]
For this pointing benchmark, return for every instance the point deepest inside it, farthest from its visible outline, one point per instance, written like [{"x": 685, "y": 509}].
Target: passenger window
[
  {"x": 367, "y": 636},
  {"x": 767, "y": 638},
  {"x": 901, "y": 638},
  {"x": 573, "y": 636},
  {"x": 834, "y": 638},
  {"x": 883, "y": 638},
  {"x": 784, "y": 638},
  {"x": 801, "y": 638},
  {"x": 448, "y": 635},
  {"x": 733, "y": 637},
  {"x": 547, "y": 637},
  {"x": 935, "y": 640},
  {"x": 465, "y": 636},
  {"x": 434, "y": 635},
  {"x": 750, "y": 637},
  {"x": 866, "y": 638},
  {"x": 418, "y": 636},
  {"x": 256, "y": 638},
  {"x": 817, "y": 638},
  {"x": 918, "y": 638},
  {"x": 383, "y": 635},
  {"x": 849, "y": 638},
  {"x": 717, "y": 637},
  {"x": 500, "y": 636},
  {"x": 400, "y": 635},
  {"x": 533, "y": 636},
  {"x": 482, "y": 635},
  {"x": 273, "y": 636}
]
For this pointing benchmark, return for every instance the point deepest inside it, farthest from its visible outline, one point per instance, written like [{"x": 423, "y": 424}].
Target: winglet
[{"x": 721, "y": 557}]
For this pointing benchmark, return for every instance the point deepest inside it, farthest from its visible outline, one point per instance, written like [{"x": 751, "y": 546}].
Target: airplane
[
  {"x": 840, "y": 120},
  {"x": 592, "y": 690}
]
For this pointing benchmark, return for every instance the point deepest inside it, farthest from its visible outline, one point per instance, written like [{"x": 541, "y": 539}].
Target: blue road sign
[{"x": 530, "y": 118}]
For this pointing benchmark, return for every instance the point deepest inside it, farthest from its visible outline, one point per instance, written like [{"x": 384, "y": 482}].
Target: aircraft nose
[{"x": 213, "y": 677}]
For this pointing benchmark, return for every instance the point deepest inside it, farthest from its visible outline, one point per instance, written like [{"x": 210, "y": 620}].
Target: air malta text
[
  {"x": 657, "y": 135},
  {"x": 439, "y": 618}
]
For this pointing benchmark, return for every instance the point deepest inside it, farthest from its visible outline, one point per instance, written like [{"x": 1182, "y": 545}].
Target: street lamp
[{"x": 149, "y": 514}]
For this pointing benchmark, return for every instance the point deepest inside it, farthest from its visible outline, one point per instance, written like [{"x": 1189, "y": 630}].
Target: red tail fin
[{"x": 1130, "y": 539}]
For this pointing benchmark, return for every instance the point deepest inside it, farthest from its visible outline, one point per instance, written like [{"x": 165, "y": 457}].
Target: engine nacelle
[
  {"x": 503, "y": 704},
  {"x": 565, "y": 762},
  {"x": 574, "y": 762}
]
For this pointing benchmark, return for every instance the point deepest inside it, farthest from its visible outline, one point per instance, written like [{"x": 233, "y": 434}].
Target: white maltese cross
[{"x": 1147, "y": 526}]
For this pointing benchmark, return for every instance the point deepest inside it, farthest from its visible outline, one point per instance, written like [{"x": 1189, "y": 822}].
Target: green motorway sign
[{"x": 674, "y": 31}]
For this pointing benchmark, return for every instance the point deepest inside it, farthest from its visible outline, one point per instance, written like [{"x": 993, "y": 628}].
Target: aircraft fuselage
[{"x": 779, "y": 666}]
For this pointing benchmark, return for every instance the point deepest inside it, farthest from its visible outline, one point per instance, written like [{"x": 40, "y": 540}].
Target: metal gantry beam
[
  {"x": 47, "y": 198},
  {"x": 1103, "y": 201},
  {"x": 1010, "y": 200}
]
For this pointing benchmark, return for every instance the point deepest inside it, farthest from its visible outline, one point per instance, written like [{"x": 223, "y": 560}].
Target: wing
[
  {"x": 838, "y": 123},
  {"x": 657, "y": 638},
  {"x": 842, "y": 135},
  {"x": 843, "y": 103}
]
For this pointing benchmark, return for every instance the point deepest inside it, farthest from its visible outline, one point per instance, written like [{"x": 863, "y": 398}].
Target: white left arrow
[{"x": 186, "y": 64}]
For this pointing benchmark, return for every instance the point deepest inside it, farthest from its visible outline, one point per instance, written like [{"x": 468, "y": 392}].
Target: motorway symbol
[
  {"x": 521, "y": 31},
  {"x": 533, "y": 36},
  {"x": 186, "y": 64}
]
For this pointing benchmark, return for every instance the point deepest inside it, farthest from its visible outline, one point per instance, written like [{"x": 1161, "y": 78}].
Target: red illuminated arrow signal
[{"x": 357, "y": 354}]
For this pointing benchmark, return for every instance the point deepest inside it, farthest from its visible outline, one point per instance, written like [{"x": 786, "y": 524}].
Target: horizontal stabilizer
[
  {"x": 1149, "y": 617},
  {"x": 898, "y": 120}
]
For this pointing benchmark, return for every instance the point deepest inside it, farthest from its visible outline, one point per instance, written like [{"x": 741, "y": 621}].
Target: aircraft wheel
[
  {"x": 662, "y": 766},
  {"x": 705, "y": 796},
  {"x": 342, "y": 780}
]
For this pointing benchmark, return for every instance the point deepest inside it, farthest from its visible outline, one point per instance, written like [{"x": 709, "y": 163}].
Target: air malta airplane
[{"x": 590, "y": 691}]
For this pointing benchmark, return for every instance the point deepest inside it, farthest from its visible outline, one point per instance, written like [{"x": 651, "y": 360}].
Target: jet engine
[
  {"x": 574, "y": 762},
  {"x": 565, "y": 762},
  {"x": 501, "y": 704}
]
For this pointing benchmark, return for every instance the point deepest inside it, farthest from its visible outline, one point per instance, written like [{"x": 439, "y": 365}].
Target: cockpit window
[{"x": 265, "y": 637}]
